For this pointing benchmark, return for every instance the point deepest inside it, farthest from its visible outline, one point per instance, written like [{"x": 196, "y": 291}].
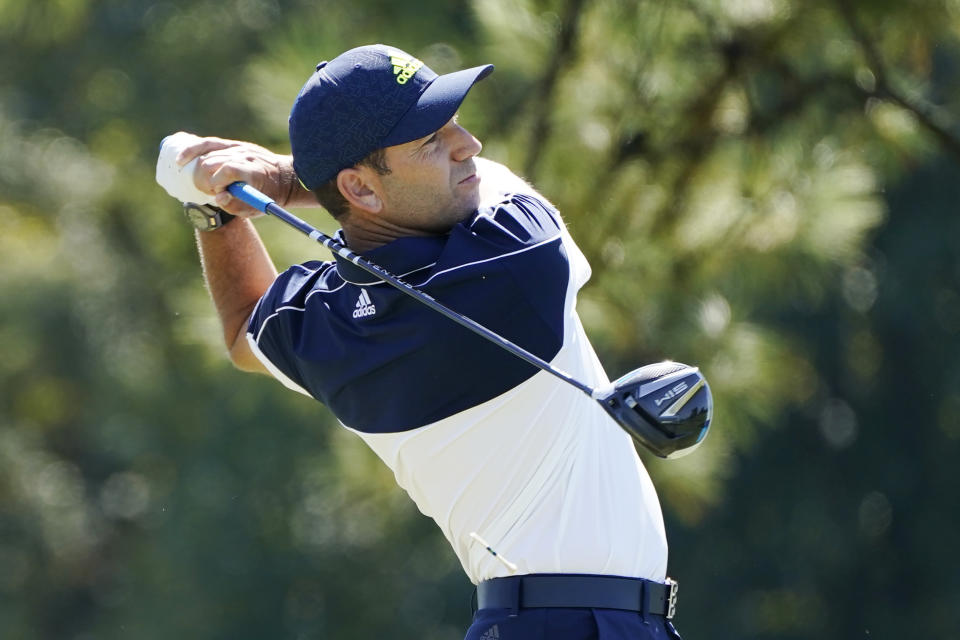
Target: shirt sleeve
[
  {"x": 277, "y": 322},
  {"x": 519, "y": 218},
  {"x": 527, "y": 219}
]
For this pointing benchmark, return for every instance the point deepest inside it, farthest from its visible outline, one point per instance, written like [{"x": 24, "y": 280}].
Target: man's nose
[{"x": 466, "y": 145}]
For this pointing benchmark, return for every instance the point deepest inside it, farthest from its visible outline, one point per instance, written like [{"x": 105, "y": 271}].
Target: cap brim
[{"x": 436, "y": 105}]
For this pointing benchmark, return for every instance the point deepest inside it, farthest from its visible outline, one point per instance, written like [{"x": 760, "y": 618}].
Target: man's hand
[{"x": 223, "y": 162}]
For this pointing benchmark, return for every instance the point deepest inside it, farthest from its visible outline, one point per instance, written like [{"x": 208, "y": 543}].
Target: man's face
[{"x": 433, "y": 182}]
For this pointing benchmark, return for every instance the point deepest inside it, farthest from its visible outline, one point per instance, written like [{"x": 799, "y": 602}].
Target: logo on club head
[{"x": 671, "y": 393}]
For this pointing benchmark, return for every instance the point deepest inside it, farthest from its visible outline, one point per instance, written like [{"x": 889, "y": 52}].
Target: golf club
[{"x": 667, "y": 407}]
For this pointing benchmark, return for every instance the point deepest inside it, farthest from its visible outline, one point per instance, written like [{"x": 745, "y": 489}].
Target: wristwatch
[{"x": 206, "y": 217}]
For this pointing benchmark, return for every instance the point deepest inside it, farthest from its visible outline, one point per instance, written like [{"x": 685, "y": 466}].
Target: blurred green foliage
[{"x": 766, "y": 188}]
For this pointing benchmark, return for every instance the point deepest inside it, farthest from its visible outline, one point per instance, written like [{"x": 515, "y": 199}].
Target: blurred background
[{"x": 767, "y": 188}]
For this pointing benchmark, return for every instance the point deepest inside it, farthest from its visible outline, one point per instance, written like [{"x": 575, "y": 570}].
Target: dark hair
[{"x": 328, "y": 194}]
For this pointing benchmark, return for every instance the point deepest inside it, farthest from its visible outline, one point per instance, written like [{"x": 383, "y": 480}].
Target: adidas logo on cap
[
  {"x": 404, "y": 66},
  {"x": 365, "y": 306}
]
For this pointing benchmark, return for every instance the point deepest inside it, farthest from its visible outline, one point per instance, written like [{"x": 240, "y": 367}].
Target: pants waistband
[{"x": 578, "y": 591}]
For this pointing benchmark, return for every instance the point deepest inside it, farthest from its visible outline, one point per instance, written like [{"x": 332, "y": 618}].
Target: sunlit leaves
[{"x": 43, "y": 22}]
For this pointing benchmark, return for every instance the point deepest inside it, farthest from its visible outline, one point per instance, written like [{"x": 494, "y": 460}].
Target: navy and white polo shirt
[{"x": 482, "y": 441}]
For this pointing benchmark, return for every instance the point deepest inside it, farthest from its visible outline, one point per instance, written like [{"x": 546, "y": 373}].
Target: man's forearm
[
  {"x": 238, "y": 271},
  {"x": 296, "y": 194}
]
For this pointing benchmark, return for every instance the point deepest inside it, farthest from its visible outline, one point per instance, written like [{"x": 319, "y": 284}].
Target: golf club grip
[
  {"x": 261, "y": 202},
  {"x": 254, "y": 198}
]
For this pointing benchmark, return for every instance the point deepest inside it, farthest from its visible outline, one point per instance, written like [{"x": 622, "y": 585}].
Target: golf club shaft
[{"x": 261, "y": 202}]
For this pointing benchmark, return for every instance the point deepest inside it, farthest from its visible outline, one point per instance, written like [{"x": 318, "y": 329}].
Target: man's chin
[{"x": 470, "y": 206}]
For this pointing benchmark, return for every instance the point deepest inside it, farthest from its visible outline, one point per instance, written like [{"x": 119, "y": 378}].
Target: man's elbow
[
  {"x": 243, "y": 358},
  {"x": 246, "y": 363}
]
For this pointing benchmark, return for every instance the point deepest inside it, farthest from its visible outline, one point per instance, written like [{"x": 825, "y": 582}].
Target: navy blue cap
[{"x": 365, "y": 99}]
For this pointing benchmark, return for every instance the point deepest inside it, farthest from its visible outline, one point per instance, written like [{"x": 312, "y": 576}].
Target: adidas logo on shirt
[
  {"x": 365, "y": 306},
  {"x": 492, "y": 634}
]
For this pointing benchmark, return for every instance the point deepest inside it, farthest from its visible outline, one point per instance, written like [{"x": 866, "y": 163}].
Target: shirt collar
[{"x": 400, "y": 257}]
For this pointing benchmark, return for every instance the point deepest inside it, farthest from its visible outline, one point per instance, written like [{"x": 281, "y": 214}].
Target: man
[{"x": 542, "y": 497}]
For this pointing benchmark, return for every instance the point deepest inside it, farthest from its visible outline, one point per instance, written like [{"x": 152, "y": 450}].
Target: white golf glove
[{"x": 176, "y": 180}]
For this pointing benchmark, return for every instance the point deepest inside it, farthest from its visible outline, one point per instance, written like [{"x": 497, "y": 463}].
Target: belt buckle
[{"x": 674, "y": 587}]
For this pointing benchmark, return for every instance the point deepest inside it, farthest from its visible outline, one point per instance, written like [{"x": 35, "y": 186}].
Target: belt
[{"x": 577, "y": 591}]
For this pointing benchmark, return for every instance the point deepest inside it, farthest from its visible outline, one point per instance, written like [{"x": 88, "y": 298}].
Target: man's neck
[
  {"x": 361, "y": 241},
  {"x": 361, "y": 235}
]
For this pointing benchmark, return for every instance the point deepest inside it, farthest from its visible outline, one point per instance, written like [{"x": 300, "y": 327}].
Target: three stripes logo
[
  {"x": 493, "y": 633},
  {"x": 365, "y": 306},
  {"x": 404, "y": 66}
]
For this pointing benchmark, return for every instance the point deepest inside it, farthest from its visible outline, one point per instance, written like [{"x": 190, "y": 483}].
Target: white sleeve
[{"x": 496, "y": 181}]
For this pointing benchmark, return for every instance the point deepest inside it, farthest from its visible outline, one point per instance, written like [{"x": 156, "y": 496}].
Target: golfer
[{"x": 540, "y": 494}]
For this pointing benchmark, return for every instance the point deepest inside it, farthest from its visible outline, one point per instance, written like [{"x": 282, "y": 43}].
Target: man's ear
[{"x": 356, "y": 185}]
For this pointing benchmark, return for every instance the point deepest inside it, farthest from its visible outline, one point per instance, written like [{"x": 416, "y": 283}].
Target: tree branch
[
  {"x": 925, "y": 113},
  {"x": 542, "y": 106}
]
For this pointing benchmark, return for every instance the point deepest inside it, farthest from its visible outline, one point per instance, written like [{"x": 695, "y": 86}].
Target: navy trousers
[{"x": 569, "y": 624}]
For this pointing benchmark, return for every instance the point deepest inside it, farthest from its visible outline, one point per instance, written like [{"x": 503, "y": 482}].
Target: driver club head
[{"x": 666, "y": 407}]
